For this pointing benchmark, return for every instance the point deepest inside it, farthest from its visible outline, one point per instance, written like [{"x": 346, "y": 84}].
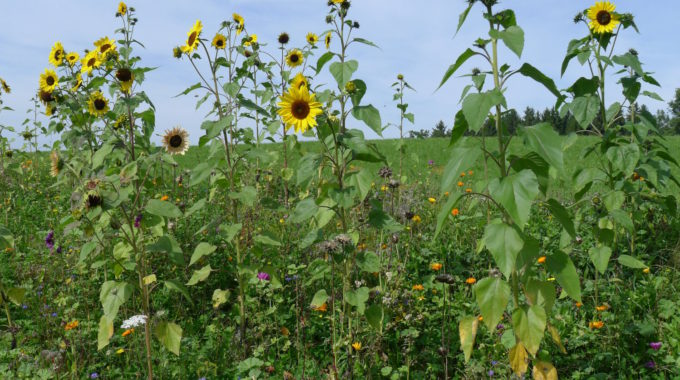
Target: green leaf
[
  {"x": 100, "y": 155},
  {"x": 304, "y": 211},
  {"x": 323, "y": 60},
  {"x": 246, "y": 196},
  {"x": 516, "y": 193},
  {"x": 546, "y": 142},
  {"x": 188, "y": 90},
  {"x": 513, "y": 37},
  {"x": 529, "y": 325},
  {"x": 370, "y": 116},
  {"x": 383, "y": 221},
  {"x": 561, "y": 266},
  {"x": 445, "y": 211},
  {"x": 467, "y": 330},
  {"x": 15, "y": 295},
  {"x": 112, "y": 295},
  {"x": 460, "y": 126},
  {"x": 629, "y": 60},
  {"x": 319, "y": 298},
  {"x": 624, "y": 158},
  {"x": 600, "y": 257},
  {"x": 357, "y": 298},
  {"x": 504, "y": 243},
  {"x": 202, "y": 249},
  {"x": 631, "y": 88},
  {"x": 219, "y": 297},
  {"x": 585, "y": 109},
  {"x": 530, "y": 71},
  {"x": 631, "y": 262},
  {"x": 368, "y": 262},
  {"x": 267, "y": 239},
  {"x": 359, "y": 92},
  {"x": 105, "y": 332},
  {"x": 562, "y": 215},
  {"x": 374, "y": 316},
  {"x": 163, "y": 208},
  {"x": 169, "y": 245},
  {"x": 199, "y": 275},
  {"x": 463, "y": 16},
  {"x": 365, "y": 42},
  {"x": 459, "y": 159},
  {"x": 199, "y": 205},
  {"x": 541, "y": 293},
  {"x": 493, "y": 295},
  {"x": 178, "y": 287},
  {"x": 170, "y": 335},
  {"x": 467, "y": 54},
  {"x": 476, "y": 107},
  {"x": 342, "y": 72}
]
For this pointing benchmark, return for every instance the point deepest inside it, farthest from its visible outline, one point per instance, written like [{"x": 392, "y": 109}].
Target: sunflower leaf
[
  {"x": 342, "y": 71},
  {"x": 463, "y": 17},
  {"x": 459, "y": 62},
  {"x": 369, "y": 115},
  {"x": 366, "y": 42},
  {"x": 323, "y": 60}
]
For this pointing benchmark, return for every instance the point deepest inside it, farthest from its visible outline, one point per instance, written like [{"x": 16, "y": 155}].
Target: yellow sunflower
[
  {"x": 48, "y": 80},
  {"x": 105, "y": 46},
  {"x": 219, "y": 41},
  {"x": 5, "y": 86},
  {"x": 98, "y": 105},
  {"x": 312, "y": 39},
  {"x": 338, "y": 1},
  {"x": 56, "y": 164},
  {"x": 126, "y": 78},
  {"x": 49, "y": 109},
  {"x": 328, "y": 40},
  {"x": 192, "y": 37},
  {"x": 72, "y": 58},
  {"x": 299, "y": 108},
  {"x": 79, "y": 82},
  {"x": 294, "y": 58},
  {"x": 91, "y": 61},
  {"x": 250, "y": 40},
  {"x": 57, "y": 54},
  {"x": 176, "y": 140},
  {"x": 602, "y": 17},
  {"x": 300, "y": 81},
  {"x": 239, "y": 20},
  {"x": 122, "y": 8}
]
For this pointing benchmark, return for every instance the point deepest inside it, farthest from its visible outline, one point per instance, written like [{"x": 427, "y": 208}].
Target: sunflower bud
[
  {"x": 177, "y": 52},
  {"x": 578, "y": 18},
  {"x": 475, "y": 71},
  {"x": 400, "y": 77},
  {"x": 284, "y": 38},
  {"x": 329, "y": 19},
  {"x": 633, "y": 52},
  {"x": 355, "y": 25},
  {"x": 350, "y": 87}
]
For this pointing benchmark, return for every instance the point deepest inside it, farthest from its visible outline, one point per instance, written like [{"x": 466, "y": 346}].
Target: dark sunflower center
[
  {"x": 93, "y": 200},
  {"x": 104, "y": 48},
  {"x": 220, "y": 43},
  {"x": 46, "y": 96},
  {"x": 99, "y": 104},
  {"x": 300, "y": 109},
  {"x": 294, "y": 58},
  {"x": 91, "y": 62},
  {"x": 192, "y": 39},
  {"x": 603, "y": 17},
  {"x": 176, "y": 141},
  {"x": 57, "y": 55},
  {"x": 124, "y": 75},
  {"x": 49, "y": 80}
]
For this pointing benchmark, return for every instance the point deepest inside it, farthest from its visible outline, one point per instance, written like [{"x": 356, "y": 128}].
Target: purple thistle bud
[
  {"x": 24, "y": 306},
  {"x": 54, "y": 314},
  {"x": 94, "y": 375},
  {"x": 138, "y": 220},
  {"x": 59, "y": 249},
  {"x": 655, "y": 345},
  {"x": 650, "y": 364},
  {"x": 430, "y": 162},
  {"x": 500, "y": 326},
  {"x": 490, "y": 373},
  {"x": 49, "y": 240},
  {"x": 262, "y": 276}
]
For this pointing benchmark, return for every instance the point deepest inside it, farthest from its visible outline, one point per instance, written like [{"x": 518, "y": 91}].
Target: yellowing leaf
[
  {"x": 467, "y": 329},
  {"x": 105, "y": 332},
  {"x": 544, "y": 371},
  {"x": 150, "y": 279},
  {"x": 556, "y": 338},
  {"x": 518, "y": 359},
  {"x": 219, "y": 297}
]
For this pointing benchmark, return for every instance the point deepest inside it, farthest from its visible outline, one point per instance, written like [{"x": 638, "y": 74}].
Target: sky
[{"x": 416, "y": 39}]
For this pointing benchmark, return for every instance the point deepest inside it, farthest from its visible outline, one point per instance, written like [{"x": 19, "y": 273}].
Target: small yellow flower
[
  {"x": 250, "y": 40},
  {"x": 282, "y": 221},
  {"x": 551, "y": 279},
  {"x": 219, "y": 41},
  {"x": 419, "y": 287},
  {"x": 602, "y": 17},
  {"x": 120, "y": 351},
  {"x": 122, "y": 8},
  {"x": 312, "y": 39},
  {"x": 356, "y": 346},
  {"x": 416, "y": 219},
  {"x": 383, "y": 188},
  {"x": 470, "y": 280},
  {"x": 645, "y": 271},
  {"x": 436, "y": 266},
  {"x": 431, "y": 200}
]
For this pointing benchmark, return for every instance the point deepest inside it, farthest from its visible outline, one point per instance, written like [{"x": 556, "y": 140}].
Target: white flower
[{"x": 133, "y": 321}]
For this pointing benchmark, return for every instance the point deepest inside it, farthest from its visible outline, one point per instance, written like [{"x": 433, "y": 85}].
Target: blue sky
[{"x": 416, "y": 39}]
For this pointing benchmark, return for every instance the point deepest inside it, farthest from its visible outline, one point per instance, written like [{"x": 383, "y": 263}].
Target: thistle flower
[
  {"x": 138, "y": 220},
  {"x": 49, "y": 240},
  {"x": 655, "y": 346},
  {"x": 262, "y": 276}
]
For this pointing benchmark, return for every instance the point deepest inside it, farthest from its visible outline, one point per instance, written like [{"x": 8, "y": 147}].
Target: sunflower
[
  {"x": 48, "y": 80},
  {"x": 239, "y": 20},
  {"x": 126, "y": 77},
  {"x": 219, "y": 41},
  {"x": 98, "y": 105},
  {"x": 122, "y": 8},
  {"x": 45, "y": 96},
  {"x": 300, "y": 81},
  {"x": 284, "y": 38},
  {"x": 79, "y": 82},
  {"x": 56, "y": 164},
  {"x": 91, "y": 61},
  {"x": 338, "y": 1},
  {"x": 250, "y": 40},
  {"x": 602, "y": 17},
  {"x": 176, "y": 140},
  {"x": 5, "y": 86},
  {"x": 298, "y": 108},
  {"x": 312, "y": 39},
  {"x": 105, "y": 46},
  {"x": 192, "y": 37},
  {"x": 72, "y": 58},
  {"x": 49, "y": 109},
  {"x": 57, "y": 54},
  {"x": 328, "y": 40},
  {"x": 294, "y": 58}
]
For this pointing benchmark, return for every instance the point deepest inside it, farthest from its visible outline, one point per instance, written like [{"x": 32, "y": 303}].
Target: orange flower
[
  {"x": 455, "y": 212},
  {"x": 578, "y": 304},
  {"x": 470, "y": 172},
  {"x": 470, "y": 280},
  {"x": 596, "y": 324},
  {"x": 418, "y": 287},
  {"x": 460, "y": 183},
  {"x": 323, "y": 308},
  {"x": 165, "y": 198},
  {"x": 602, "y": 307},
  {"x": 71, "y": 325},
  {"x": 436, "y": 266},
  {"x": 468, "y": 190},
  {"x": 446, "y": 194},
  {"x": 462, "y": 174},
  {"x": 541, "y": 260},
  {"x": 480, "y": 318},
  {"x": 384, "y": 246},
  {"x": 127, "y": 332},
  {"x": 285, "y": 331}
]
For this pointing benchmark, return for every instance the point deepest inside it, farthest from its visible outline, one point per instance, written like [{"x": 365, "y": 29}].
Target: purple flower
[
  {"x": 54, "y": 314},
  {"x": 494, "y": 362},
  {"x": 650, "y": 364},
  {"x": 24, "y": 306},
  {"x": 49, "y": 240},
  {"x": 430, "y": 162},
  {"x": 500, "y": 326},
  {"x": 94, "y": 375},
  {"x": 490, "y": 373},
  {"x": 59, "y": 249},
  {"x": 138, "y": 220},
  {"x": 655, "y": 345},
  {"x": 262, "y": 276}
]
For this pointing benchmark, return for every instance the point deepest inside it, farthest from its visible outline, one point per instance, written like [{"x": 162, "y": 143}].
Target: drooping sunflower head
[
  {"x": 294, "y": 58},
  {"x": 45, "y": 96},
  {"x": 328, "y": 40},
  {"x": 219, "y": 41},
  {"x": 238, "y": 19},
  {"x": 126, "y": 78},
  {"x": 72, "y": 58},
  {"x": 91, "y": 61},
  {"x": 602, "y": 17},
  {"x": 56, "y": 164},
  {"x": 176, "y": 141},
  {"x": 300, "y": 81},
  {"x": 105, "y": 46},
  {"x": 122, "y": 8},
  {"x": 92, "y": 199},
  {"x": 57, "y": 54},
  {"x": 5, "y": 86},
  {"x": 177, "y": 52},
  {"x": 192, "y": 37},
  {"x": 299, "y": 108},
  {"x": 312, "y": 39},
  {"x": 284, "y": 38},
  {"x": 48, "y": 80},
  {"x": 97, "y": 104},
  {"x": 252, "y": 39}
]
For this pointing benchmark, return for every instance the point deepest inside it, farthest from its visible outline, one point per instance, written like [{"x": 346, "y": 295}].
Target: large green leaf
[
  {"x": 504, "y": 243},
  {"x": 459, "y": 62},
  {"x": 304, "y": 211},
  {"x": 546, "y": 142},
  {"x": 459, "y": 159},
  {"x": 529, "y": 325},
  {"x": 163, "y": 208},
  {"x": 513, "y": 37},
  {"x": 170, "y": 335},
  {"x": 585, "y": 109},
  {"x": 342, "y": 72},
  {"x": 105, "y": 332},
  {"x": 561, "y": 266},
  {"x": 516, "y": 193},
  {"x": 112, "y": 295},
  {"x": 319, "y": 298},
  {"x": 631, "y": 262},
  {"x": 493, "y": 295},
  {"x": 375, "y": 315},
  {"x": 476, "y": 107},
  {"x": 199, "y": 275},
  {"x": 370, "y": 116},
  {"x": 202, "y": 249},
  {"x": 562, "y": 215},
  {"x": 541, "y": 293},
  {"x": 600, "y": 257},
  {"x": 530, "y": 71},
  {"x": 357, "y": 298},
  {"x": 624, "y": 158}
]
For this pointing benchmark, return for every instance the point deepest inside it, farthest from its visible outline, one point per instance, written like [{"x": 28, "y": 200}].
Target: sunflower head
[
  {"x": 250, "y": 40},
  {"x": 219, "y": 41},
  {"x": 602, "y": 17},
  {"x": 177, "y": 52},
  {"x": 91, "y": 61},
  {"x": 105, "y": 46},
  {"x": 294, "y": 58},
  {"x": 312, "y": 39},
  {"x": 72, "y": 58},
  {"x": 126, "y": 77},
  {"x": 238, "y": 19},
  {"x": 284, "y": 38},
  {"x": 92, "y": 199},
  {"x": 300, "y": 81},
  {"x": 56, "y": 164},
  {"x": 192, "y": 37},
  {"x": 176, "y": 141},
  {"x": 122, "y": 9},
  {"x": 48, "y": 80},
  {"x": 328, "y": 40},
  {"x": 97, "y": 104},
  {"x": 57, "y": 54},
  {"x": 45, "y": 96},
  {"x": 299, "y": 108},
  {"x": 78, "y": 82}
]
